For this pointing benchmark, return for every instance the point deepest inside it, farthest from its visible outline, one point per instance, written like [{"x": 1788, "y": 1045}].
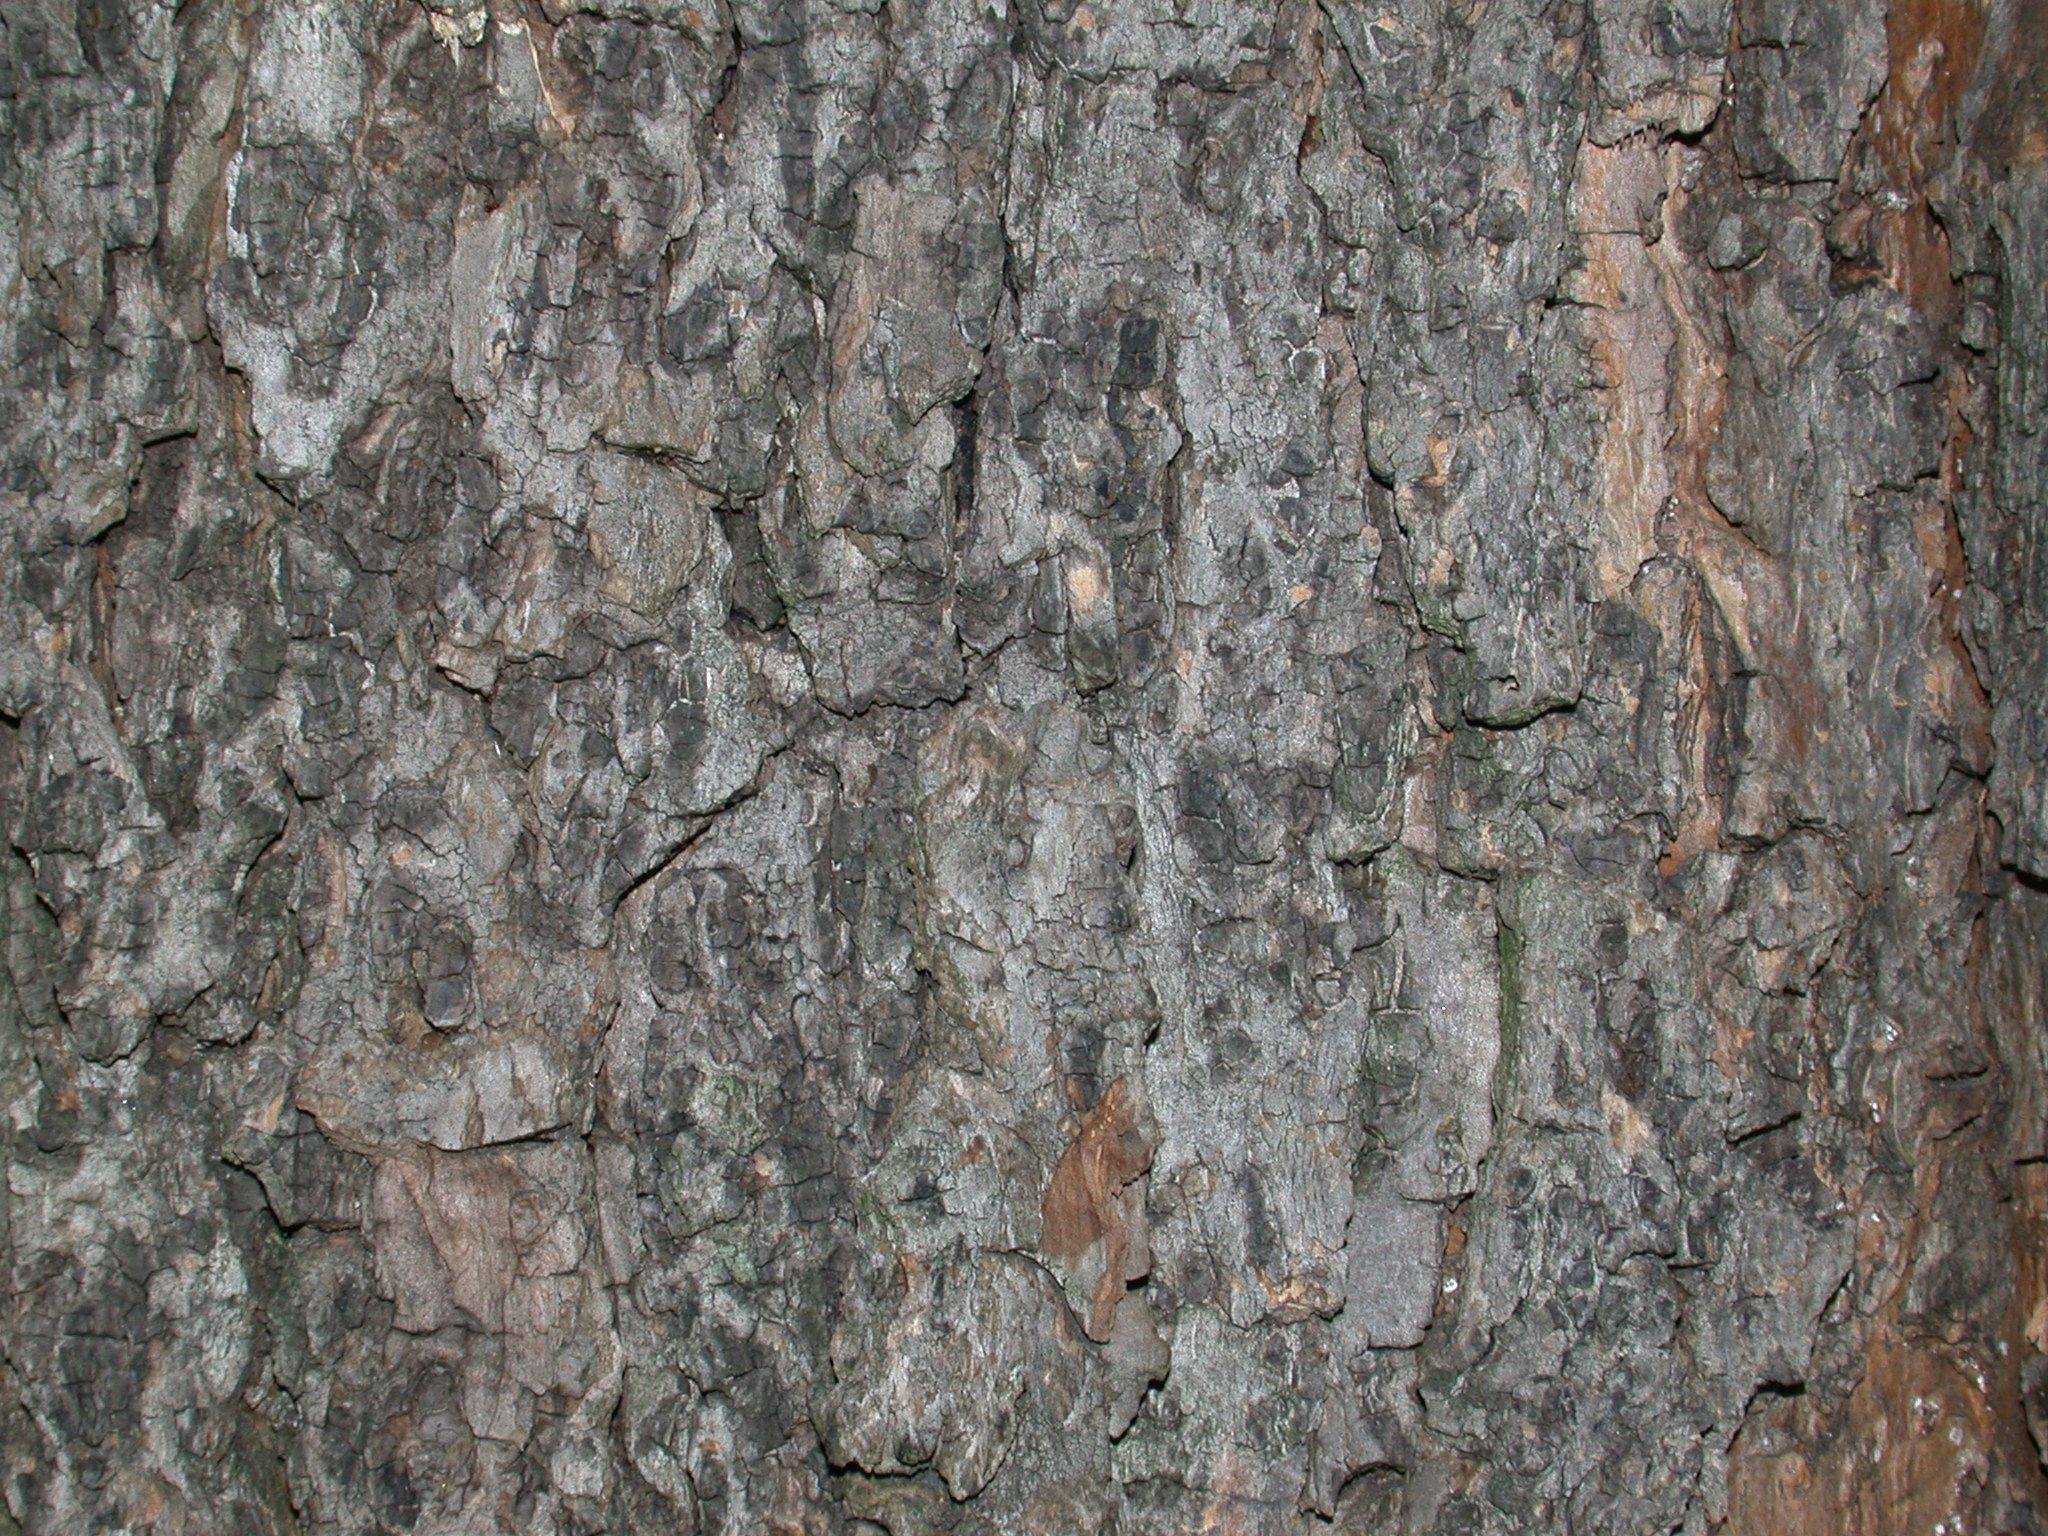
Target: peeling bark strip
[{"x": 1106, "y": 767}]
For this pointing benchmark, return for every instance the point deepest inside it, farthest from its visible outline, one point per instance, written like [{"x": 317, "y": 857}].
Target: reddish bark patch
[
  {"x": 1091, "y": 1222},
  {"x": 1913, "y": 1454}
]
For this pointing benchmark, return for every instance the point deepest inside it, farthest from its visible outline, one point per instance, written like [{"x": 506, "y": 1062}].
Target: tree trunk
[{"x": 1149, "y": 766}]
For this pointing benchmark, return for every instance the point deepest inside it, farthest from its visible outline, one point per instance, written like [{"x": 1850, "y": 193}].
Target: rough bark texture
[{"x": 1141, "y": 766}]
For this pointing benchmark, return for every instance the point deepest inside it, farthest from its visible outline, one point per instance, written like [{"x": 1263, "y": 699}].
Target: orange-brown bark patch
[
  {"x": 1085, "y": 1204},
  {"x": 1911, "y": 1454},
  {"x": 1933, "y": 48}
]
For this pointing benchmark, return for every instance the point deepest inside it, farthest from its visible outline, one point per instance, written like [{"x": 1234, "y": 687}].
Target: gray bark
[{"x": 789, "y": 765}]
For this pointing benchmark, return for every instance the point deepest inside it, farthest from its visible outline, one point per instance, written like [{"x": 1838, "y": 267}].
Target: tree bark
[{"x": 1138, "y": 766}]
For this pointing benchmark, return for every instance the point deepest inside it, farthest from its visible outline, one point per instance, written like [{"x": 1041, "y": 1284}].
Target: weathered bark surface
[{"x": 1139, "y": 766}]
